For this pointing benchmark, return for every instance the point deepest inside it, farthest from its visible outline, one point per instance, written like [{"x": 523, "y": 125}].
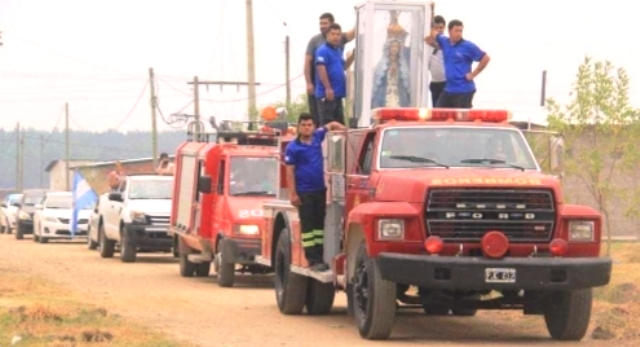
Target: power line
[{"x": 133, "y": 108}]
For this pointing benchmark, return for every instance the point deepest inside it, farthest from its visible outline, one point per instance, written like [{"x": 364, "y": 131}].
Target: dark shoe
[{"x": 319, "y": 267}]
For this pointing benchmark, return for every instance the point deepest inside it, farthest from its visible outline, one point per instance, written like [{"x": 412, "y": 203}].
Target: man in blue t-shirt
[
  {"x": 326, "y": 19},
  {"x": 331, "y": 81},
  {"x": 459, "y": 55},
  {"x": 307, "y": 190}
]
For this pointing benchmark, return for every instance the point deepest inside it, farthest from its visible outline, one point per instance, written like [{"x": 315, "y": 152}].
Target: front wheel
[
  {"x": 291, "y": 288},
  {"x": 128, "y": 251},
  {"x": 567, "y": 314},
  {"x": 226, "y": 271},
  {"x": 107, "y": 247},
  {"x": 92, "y": 245},
  {"x": 19, "y": 233},
  {"x": 374, "y": 298}
]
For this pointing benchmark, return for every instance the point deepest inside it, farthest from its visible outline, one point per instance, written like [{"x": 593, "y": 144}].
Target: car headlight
[
  {"x": 582, "y": 231},
  {"x": 138, "y": 217},
  {"x": 390, "y": 229},
  {"x": 245, "y": 229},
  {"x": 24, "y": 216}
]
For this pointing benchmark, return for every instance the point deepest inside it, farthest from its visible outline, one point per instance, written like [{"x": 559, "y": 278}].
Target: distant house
[
  {"x": 96, "y": 173},
  {"x": 57, "y": 173}
]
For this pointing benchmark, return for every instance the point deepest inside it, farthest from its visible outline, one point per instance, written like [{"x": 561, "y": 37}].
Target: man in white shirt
[
  {"x": 436, "y": 65},
  {"x": 165, "y": 167}
]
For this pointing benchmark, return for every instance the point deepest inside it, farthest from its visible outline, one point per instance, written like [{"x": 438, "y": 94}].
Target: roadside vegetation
[{"x": 34, "y": 312}]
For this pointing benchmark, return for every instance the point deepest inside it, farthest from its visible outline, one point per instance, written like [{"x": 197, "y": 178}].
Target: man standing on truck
[
  {"x": 459, "y": 55},
  {"x": 331, "y": 81},
  {"x": 436, "y": 65},
  {"x": 316, "y": 41},
  {"x": 116, "y": 177},
  {"x": 165, "y": 167},
  {"x": 307, "y": 190}
]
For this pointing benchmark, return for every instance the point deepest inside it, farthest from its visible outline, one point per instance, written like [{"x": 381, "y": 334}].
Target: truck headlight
[
  {"x": 390, "y": 229},
  {"x": 138, "y": 217},
  {"x": 582, "y": 231},
  {"x": 24, "y": 216},
  {"x": 246, "y": 229}
]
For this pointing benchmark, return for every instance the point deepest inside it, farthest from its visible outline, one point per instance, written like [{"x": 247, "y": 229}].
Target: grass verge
[{"x": 34, "y": 312}]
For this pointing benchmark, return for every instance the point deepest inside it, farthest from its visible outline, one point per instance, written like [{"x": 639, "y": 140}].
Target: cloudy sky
[{"x": 95, "y": 54}]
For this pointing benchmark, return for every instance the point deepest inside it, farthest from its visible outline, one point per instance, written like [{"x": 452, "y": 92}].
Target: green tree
[
  {"x": 600, "y": 129},
  {"x": 296, "y": 107}
]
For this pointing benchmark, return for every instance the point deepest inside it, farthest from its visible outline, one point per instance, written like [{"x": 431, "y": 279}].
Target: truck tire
[
  {"x": 226, "y": 271},
  {"x": 374, "y": 298},
  {"x": 319, "y": 297},
  {"x": 567, "y": 314},
  {"x": 19, "y": 234},
  {"x": 464, "y": 312},
  {"x": 203, "y": 269},
  {"x": 128, "y": 251},
  {"x": 187, "y": 268},
  {"x": 107, "y": 247},
  {"x": 92, "y": 245},
  {"x": 291, "y": 288}
]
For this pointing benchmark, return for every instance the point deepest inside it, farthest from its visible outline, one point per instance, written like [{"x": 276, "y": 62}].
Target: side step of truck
[{"x": 324, "y": 277}]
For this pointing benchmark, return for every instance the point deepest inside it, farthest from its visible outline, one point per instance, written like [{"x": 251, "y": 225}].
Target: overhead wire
[{"x": 135, "y": 105}]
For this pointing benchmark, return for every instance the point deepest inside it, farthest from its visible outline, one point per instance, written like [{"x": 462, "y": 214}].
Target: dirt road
[{"x": 151, "y": 292}]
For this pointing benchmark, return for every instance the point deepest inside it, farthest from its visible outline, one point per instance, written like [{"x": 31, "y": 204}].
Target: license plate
[{"x": 496, "y": 275}]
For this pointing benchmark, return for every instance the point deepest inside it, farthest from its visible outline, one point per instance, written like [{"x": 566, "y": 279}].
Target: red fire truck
[
  {"x": 217, "y": 202},
  {"x": 442, "y": 209}
]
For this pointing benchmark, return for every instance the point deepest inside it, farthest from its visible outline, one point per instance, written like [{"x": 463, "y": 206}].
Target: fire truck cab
[
  {"x": 442, "y": 209},
  {"x": 217, "y": 214}
]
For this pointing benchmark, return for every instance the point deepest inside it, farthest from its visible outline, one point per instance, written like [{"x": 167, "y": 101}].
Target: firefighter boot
[{"x": 318, "y": 255}]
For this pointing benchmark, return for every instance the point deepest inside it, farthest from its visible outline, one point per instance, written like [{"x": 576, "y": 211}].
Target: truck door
[
  {"x": 218, "y": 198},
  {"x": 198, "y": 201},
  {"x": 358, "y": 187}
]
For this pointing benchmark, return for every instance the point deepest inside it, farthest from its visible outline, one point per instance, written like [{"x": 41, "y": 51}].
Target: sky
[{"x": 95, "y": 54}]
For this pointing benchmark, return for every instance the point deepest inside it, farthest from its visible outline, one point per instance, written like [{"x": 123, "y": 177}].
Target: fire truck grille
[
  {"x": 158, "y": 220},
  {"x": 465, "y": 215}
]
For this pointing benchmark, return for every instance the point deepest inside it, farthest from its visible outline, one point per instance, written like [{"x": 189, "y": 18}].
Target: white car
[
  {"x": 8, "y": 213},
  {"x": 52, "y": 219}
]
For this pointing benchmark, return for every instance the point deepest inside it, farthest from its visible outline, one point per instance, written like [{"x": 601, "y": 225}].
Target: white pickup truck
[{"x": 136, "y": 217}]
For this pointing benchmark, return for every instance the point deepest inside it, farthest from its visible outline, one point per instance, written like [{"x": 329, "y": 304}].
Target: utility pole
[
  {"x": 251, "y": 68},
  {"x": 41, "y": 160},
  {"x": 196, "y": 97},
  {"x": 21, "y": 163},
  {"x": 66, "y": 149},
  {"x": 543, "y": 89},
  {"x": 17, "y": 134},
  {"x": 154, "y": 124},
  {"x": 287, "y": 70}
]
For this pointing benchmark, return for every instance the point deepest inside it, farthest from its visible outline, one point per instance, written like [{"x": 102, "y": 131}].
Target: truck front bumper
[
  {"x": 149, "y": 237},
  {"x": 471, "y": 273},
  {"x": 240, "y": 250},
  {"x": 25, "y": 226}
]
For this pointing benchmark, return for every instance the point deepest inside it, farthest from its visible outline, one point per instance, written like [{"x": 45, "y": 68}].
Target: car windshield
[
  {"x": 14, "y": 198},
  {"x": 32, "y": 200},
  {"x": 150, "y": 189},
  {"x": 59, "y": 201},
  {"x": 252, "y": 176},
  {"x": 455, "y": 147}
]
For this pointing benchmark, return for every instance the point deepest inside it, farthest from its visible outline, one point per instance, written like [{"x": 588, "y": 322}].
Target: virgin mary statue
[{"x": 391, "y": 79}]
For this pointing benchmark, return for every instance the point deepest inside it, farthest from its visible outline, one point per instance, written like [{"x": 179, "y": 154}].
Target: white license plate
[{"x": 497, "y": 275}]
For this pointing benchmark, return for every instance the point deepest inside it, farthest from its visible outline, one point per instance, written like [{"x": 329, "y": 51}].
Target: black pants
[
  {"x": 313, "y": 107},
  {"x": 312, "y": 211},
  {"x": 436, "y": 89},
  {"x": 330, "y": 111},
  {"x": 451, "y": 100}
]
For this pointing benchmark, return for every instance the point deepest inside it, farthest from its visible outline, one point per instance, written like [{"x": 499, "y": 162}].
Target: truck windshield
[
  {"x": 455, "y": 147},
  {"x": 252, "y": 176},
  {"x": 150, "y": 189},
  {"x": 59, "y": 201}
]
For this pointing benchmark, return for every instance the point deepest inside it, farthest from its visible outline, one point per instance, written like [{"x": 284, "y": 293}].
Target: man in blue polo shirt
[
  {"x": 307, "y": 190},
  {"x": 331, "y": 81},
  {"x": 459, "y": 55}
]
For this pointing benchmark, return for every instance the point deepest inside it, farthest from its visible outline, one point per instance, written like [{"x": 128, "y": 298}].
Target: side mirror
[
  {"x": 116, "y": 196},
  {"x": 336, "y": 151},
  {"x": 38, "y": 207},
  {"x": 556, "y": 155},
  {"x": 204, "y": 184}
]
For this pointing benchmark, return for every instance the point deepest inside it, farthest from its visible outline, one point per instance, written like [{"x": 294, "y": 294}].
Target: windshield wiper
[
  {"x": 255, "y": 192},
  {"x": 415, "y": 159},
  {"x": 490, "y": 161}
]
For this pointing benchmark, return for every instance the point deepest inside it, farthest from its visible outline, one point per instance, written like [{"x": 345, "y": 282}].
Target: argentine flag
[{"x": 83, "y": 196}]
